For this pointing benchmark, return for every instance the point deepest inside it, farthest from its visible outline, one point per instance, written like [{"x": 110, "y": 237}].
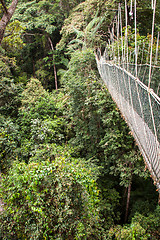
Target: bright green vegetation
[{"x": 68, "y": 162}]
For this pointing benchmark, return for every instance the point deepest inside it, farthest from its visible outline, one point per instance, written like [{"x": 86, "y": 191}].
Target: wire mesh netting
[
  {"x": 143, "y": 74},
  {"x": 139, "y": 106}
]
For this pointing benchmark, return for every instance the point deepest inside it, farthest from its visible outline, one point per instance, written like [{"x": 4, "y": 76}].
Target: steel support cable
[
  {"x": 151, "y": 53},
  {"x": 118, "y": 34},
  {"x": 142, "y": 57},
  {"x": 135, "y": 22},
  {"x": 117, "y": 42},
  {"x": 120, "y": 104},
  {"x": 113, "y": 40},
  {"x": 147, "y": 60},
  {"x": 120, "y": 16},
  {"x": 131, "y": 11},
  {"x": 120, "y": 98},
  {"x": 116, "y": 70},
  {"x": 117, "y": 23},
  {"x": 126, "y": 33},
  {"x": 156, "y": 57}
]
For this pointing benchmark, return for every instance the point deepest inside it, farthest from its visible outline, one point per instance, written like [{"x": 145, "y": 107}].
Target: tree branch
[{"x": 6, "y": 17}]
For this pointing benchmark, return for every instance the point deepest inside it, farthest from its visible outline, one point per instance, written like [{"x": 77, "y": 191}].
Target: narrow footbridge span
[
  {"x": 130, "y": 69},
  {"x": 140, "y": 107}
]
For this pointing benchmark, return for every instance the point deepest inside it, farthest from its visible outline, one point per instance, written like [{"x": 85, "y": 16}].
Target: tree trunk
[
  {"x": 55, "y": 76},
  {"x": 128, "y": 200},
  {"x": 1, "y": 203},
  {"x": 34, "y": 69},
  {"x": 54, "y": 66},
  {"x": 8, "y": 13}
]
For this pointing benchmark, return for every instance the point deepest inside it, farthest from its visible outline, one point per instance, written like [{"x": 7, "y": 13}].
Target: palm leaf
[
  {"x": 76, "y": 41},
  {"x": 98, "y": 26},
  {"x": 78, "y": 32}
]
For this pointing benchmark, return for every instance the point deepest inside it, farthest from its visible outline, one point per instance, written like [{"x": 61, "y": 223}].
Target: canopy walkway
[{"x": 135, "y": 89}]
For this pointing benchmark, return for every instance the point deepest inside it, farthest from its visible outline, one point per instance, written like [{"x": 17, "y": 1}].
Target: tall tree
[{"x": 8, "y": 13}]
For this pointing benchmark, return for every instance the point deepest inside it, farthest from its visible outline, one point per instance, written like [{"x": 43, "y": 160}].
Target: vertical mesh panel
[{"x": 140, "y": 108}]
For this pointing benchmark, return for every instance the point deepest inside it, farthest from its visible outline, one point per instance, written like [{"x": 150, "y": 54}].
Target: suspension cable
[
  {"x": 151, "y": 53},
  {"x": 156, "y": 57},
  {"x": 135, "y": 12},
  {"x": 131, "y": 11},
  {"x": 120, "y": 15},
  {"x": 118, "y": 38},
  {"x": 126, "y": 34}
]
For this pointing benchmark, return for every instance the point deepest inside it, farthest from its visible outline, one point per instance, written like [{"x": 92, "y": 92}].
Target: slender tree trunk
[
  {"x": 8, "y": 13},
  {"x": 34, "y": 69},
  {"x": 127, "y": 204},
  {"x": 1, "y": 203},
  {"x": 55, "y": 76},
  {"x": 54, "y": 66},
  {"x": 124, "y": 197}
]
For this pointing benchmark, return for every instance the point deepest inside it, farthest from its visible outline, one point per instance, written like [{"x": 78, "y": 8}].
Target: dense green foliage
[
  {"x": 53, "y": 200},
  {"x": 68, "y": 163}
]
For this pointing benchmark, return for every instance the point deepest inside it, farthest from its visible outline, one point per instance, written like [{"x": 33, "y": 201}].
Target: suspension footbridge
[{"x": 135, "y": 87}]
